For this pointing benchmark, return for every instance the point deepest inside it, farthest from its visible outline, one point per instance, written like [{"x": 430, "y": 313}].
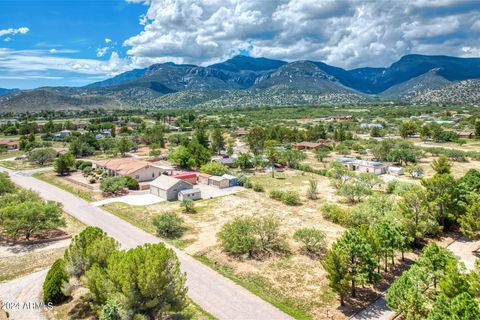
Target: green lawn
[{"x": 51, "y": 177}]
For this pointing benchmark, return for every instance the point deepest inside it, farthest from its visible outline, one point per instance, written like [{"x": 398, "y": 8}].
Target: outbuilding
[
  {"x": 192, "y": 194},
  {"x": 203, "y": 178},
  {"x": 167, "y": 187},
  {"x": 232, "y": 180},
  {"x": 218, "y": 182},
  {"x": 187, "y": 176}
]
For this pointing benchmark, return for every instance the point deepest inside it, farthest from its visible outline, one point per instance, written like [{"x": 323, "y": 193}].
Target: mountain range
[{"x": 247, "y": 81}]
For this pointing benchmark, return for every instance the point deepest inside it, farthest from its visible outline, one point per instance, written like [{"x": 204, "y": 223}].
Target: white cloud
[
  {"x": 53, "y": 50},
  {"x": 102, "y": 51},
  {"x": 347, "y": 33},
  {"x": 7, "y": 39},
  {"x": 12, "y": 31},
  {"x": 107, "y": 40},
  {"x": 17, "y": 62}
]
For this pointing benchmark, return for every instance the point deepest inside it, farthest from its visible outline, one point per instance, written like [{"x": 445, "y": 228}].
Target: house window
[
  {"x": 153, "y": 174},
  {"x": 137, "y": 177}
]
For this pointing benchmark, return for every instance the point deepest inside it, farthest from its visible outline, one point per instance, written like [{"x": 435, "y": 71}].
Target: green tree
[
  {"x": 123, "y": 145},
  {"x": 321, "y": 154},
  {"x": 354, "y": 191},
  {"x": 42, "y": 155},
  {"x": 218, "y": 141},
  {"x": 89, "y": 247},
  {"x": 361, "y": 261},
  {"x": 181, "y": 156},
  {"x": 434, "y": 259},
  {"x": 30, "y": 217},
  {"x": 54, "y": 282},
  {"x": 214, "y": 168},
  {"x": 336, "y": 264},
  {"x": 291, "y": 157},
  {"x": 147, "y": 279},
  {"x": 406, "y": 294},
  {"x": 408, "y": 129},
  {"x": 339, "y": 174},
  {"x": 244, "y": 161},
  {"x": 313, "y": 240},
  {"x": 272, "y": 158},
  {"x": 200, "y": 135},
  {"x": 442, "y": 193},
  {"x": 461, "y": 307},
  {"x": 198, "y": 153},
  {"x": 106, "y": 144},
  {"x": 470, "y": 221},
  {"x": 256, "y": 138},
  {"x": 417, "y": 217},
  {"x": 442, "y": 165},
  {"x": 455, "y": 279},
  {"x": 169, "y": 225},
  {"x": 64, "y": 163},
  {"x": 477, "y": 127}
]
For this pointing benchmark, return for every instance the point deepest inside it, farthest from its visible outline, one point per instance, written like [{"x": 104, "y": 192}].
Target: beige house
[
  {"x": 168, "y": 188},
  {"x": 137, "y": 169}
]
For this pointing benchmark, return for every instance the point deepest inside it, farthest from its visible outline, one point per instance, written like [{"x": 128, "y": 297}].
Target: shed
[
  {"x": 218, "y": 182},
  {"x": 193, "y": 194},
  {"x": 232, "y": 180},
  {"x": 190, "y": 177},
  {"x": 167, "y": 187},
  {"x": 203, "y": 178}
]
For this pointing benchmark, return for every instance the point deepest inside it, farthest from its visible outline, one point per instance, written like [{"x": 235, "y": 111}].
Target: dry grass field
[{"x": 293, "y": 282}]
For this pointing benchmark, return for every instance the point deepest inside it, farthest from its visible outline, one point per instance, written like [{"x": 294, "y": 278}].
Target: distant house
[
  {"x": 371, "y": 125},
  {"x": 226, "y": 161},
  {"x": 397, "y": 171},
  {"x": 363, "y": 165},
  {"x": 190, "y": 177},
  {"x": 241, "y": 132},
  {"x": 64, "y": 133},
  {"x": 9, "y": 144},
  {"x": 305, "y": 145},
  {"x": 167, "y": 187},
  {"x": 465, "y": 134},
  {"x": 192, "y": 194},
  {"x": 343, "y": 117},
  {"x": 137, "y": 169},
  {"x": 232, "y": 180},
  {"x": 218, "y": 182}
]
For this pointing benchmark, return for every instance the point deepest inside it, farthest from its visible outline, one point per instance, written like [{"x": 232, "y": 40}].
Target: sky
[{"x": 76, "y": 42}]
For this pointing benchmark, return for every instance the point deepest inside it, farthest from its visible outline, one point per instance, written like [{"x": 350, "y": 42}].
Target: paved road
[
  {"x": 218, "y": 295},
  {"x": 27, "y": 291},
  {"x": 378, "y": 310}
]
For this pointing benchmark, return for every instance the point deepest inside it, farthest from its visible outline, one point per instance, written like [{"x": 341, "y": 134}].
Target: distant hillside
[
  {"x": 415, "y": 86},
  {"x": 242, "y": 81},
  {"x": 467, "y": 91},
  {"x": 6, "y": 91},
  {"x": 54, "y": 99}
]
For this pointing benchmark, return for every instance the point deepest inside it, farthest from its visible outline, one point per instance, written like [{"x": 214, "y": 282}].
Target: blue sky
[
  {"x": 64, "y": 29},
  {"x": 73, "y": 43}
]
